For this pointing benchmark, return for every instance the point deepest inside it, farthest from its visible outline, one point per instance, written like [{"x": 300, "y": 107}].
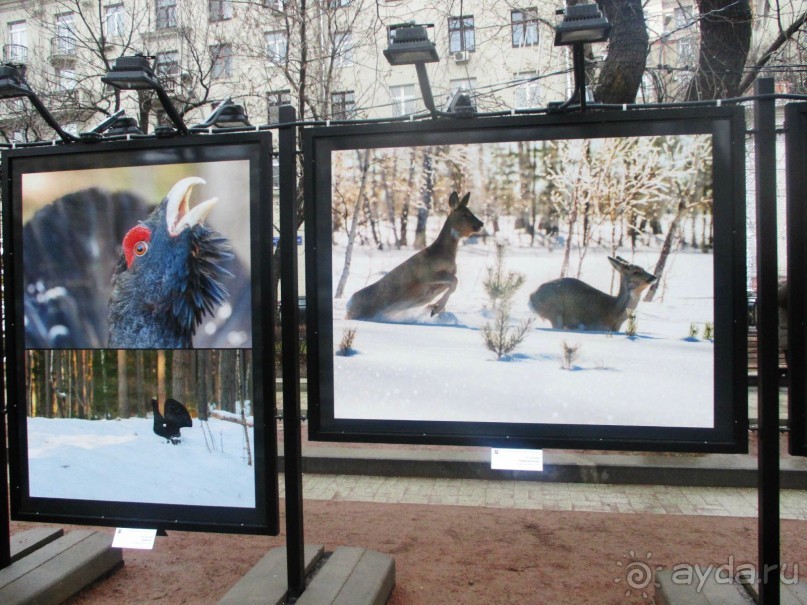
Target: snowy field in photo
[
  {"x": 124, "y": 461},
  {"x": 424, "y": 368}
]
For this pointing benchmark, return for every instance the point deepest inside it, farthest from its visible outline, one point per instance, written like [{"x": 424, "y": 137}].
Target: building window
[
  {"x": 114, "y": 20},
  {"x": 66, "y": 80},
  {"x": 343, "y": 105},
  {"x": 404, "y": 99},
  {"x": 166, "y": 14},
  {"x": 220, "y": 10},
  {"x": 222, "y": 55},
  {"x": 167, "y": 69},
  {"x": 683, "y": 16},
  {"x": 274, "y": 100},
  {"x": 524, "y": 27},
  {"x": 528, "y": 90},
  {"x": 278, "y": 5},
  {"x": 461, "y": 34},
  {"x": 16, "y": 50},
  {"x": 277, "y": 47},
  {"x": 343, "y": 49},
  {"x": 686, "y": 51},
  {"x": 65, "y": 42},
  {"x": 338, "y": 3}
]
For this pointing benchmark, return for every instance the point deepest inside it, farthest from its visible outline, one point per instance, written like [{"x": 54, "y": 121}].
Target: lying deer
[
  {"x": 570, "y": 304},
  {"x": 420, "y": 279}
]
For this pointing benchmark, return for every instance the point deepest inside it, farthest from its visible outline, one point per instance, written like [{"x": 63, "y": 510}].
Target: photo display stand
[
  {"x": 399, "y": 343},
  {"x": 796, "y": 141},
  {"x": 136, "y": 292}
]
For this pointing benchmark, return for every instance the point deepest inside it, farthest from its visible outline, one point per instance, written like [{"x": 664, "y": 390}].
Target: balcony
[
  {"x": 15, "y": 53},
  {"x": 63, "y": 51}
]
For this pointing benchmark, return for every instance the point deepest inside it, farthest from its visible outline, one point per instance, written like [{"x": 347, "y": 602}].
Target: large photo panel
[
  {"x": 792, "y": 331},
  {"x": 139, "y": 392},
  {"x": 569, "y": 281}
]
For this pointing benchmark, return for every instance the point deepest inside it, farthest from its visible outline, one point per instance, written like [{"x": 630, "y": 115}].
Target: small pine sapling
[
  {"x": 632, "y": 326},
  {"x": 346, "y": 344},
  {"x": 501, "y": 286},
  {"x": 570, "y": 354},
  {"x": 693, "y": 331},
  {"x": 709, "y": 331}
]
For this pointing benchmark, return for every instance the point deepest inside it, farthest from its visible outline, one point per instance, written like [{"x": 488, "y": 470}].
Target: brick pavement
[{"x": 605, "y": 498}]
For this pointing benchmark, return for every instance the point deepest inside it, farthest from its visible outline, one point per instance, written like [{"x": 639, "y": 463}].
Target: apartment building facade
[{"x": 265, "y": 53}]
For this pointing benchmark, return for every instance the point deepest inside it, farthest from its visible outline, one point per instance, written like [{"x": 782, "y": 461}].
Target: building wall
[{"x": 349, "y": 69}]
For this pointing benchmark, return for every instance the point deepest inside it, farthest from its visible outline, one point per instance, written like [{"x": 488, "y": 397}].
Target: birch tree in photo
[
  {"x": 690, "y": 189},
  {"x": 363, "y": 160}
]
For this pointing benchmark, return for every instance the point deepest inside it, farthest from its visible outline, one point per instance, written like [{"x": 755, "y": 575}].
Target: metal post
[
  {"x": 579, "y": 65},
  {"x": 768, "y": 347},
  {"x": 290, "y": 317},
  {"x": 5, "y": 527},
  {"x": 426, "y": 88}
]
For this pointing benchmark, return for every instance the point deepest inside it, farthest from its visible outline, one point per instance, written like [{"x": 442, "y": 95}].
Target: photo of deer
[{"x": 600, "y": 246}]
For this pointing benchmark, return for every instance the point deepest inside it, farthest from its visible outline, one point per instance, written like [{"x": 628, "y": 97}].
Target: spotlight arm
[
  {"x": 49, "y": 119},
  {"x": 426, "y": 89},
  {"x": 171, "y": 111}
]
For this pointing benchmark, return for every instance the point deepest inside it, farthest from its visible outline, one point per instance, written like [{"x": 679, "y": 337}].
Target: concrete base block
[
  {"x": 59, "y": 569},
  {"x": 350, "y": 576},
  {"x": 267, "y": 582},
  {"x": 25, "y": 542},
  {"x": 702, "y": 591},
  {"x": 789, "y": 594}
]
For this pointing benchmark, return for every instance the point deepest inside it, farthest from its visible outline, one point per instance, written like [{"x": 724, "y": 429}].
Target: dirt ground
[{"x": 447, "y": 555}]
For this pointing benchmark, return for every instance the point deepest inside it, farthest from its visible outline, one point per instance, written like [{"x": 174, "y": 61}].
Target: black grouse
[
  {"x": 168, "y": 275},
  {"x": 175, "y": 417},
  {"x": 72, "y": 248}
]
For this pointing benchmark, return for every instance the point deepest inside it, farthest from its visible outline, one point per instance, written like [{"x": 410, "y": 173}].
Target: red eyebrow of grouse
[{"x": 138, "y": 233}]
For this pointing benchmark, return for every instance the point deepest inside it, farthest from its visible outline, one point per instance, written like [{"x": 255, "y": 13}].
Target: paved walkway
[{"x": 725, "y": 502}]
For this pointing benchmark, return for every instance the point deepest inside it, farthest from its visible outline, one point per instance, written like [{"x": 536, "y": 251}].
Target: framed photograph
[
  {"x": 794, "y": 295},
  {"x": 138, "y": 320},
  {"x": 573, "y": 281}
]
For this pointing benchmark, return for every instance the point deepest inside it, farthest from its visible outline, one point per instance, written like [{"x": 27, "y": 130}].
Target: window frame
[
  {"x": 343, "y": 104},
  {"x": 282, "y": 41},
  {"x": 461, "y": 29},
  {"x": 166, "y": 14},
  {"x": 222, "y": 66},
  {"x": 524, "y": 31}
]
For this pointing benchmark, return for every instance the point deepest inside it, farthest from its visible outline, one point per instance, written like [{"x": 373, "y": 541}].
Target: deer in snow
[
  {"x": 422, "y": 278},
  {"x": 571, "y": 304}
]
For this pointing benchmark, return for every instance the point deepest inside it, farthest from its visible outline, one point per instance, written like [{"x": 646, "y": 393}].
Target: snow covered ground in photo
[
  {"x": 124, "y": 461},
  {"x": 425, "y": 368}
]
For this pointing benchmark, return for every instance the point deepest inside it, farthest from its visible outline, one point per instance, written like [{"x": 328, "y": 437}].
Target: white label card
[
  {"x": 126, "y": 537},
  {"x": 506, "y": 459}
]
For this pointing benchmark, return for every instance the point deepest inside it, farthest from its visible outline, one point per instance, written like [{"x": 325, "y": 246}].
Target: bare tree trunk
[
  {"x": 161, "y": 391},
  {"x": 183, "y": 376},
  {"x": 621, "y": 73},
  {"x": 426, "y": 194},
  {"x": 665, "y": 250},
  {"x": 725, "y": 42},
  {"x": 124, "y": 409},
  {"x": 564, "y": 268},
  {"x": 354, "y": 223},
  {"x": 405, "y": 205},
  {"x": 227, "y": 370}
]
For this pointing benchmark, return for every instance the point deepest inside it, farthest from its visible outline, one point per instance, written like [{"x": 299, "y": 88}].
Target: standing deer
[
  {"x": 421, "y": 278},
  {"x": 570, "y": 304}
]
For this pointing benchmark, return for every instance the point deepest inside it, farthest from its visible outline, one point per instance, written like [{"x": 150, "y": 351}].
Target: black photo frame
[
  {"x": 796, "y": 158},
  {"x": 87, "y": 462},
  {"x": 387, "y": 388}
]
